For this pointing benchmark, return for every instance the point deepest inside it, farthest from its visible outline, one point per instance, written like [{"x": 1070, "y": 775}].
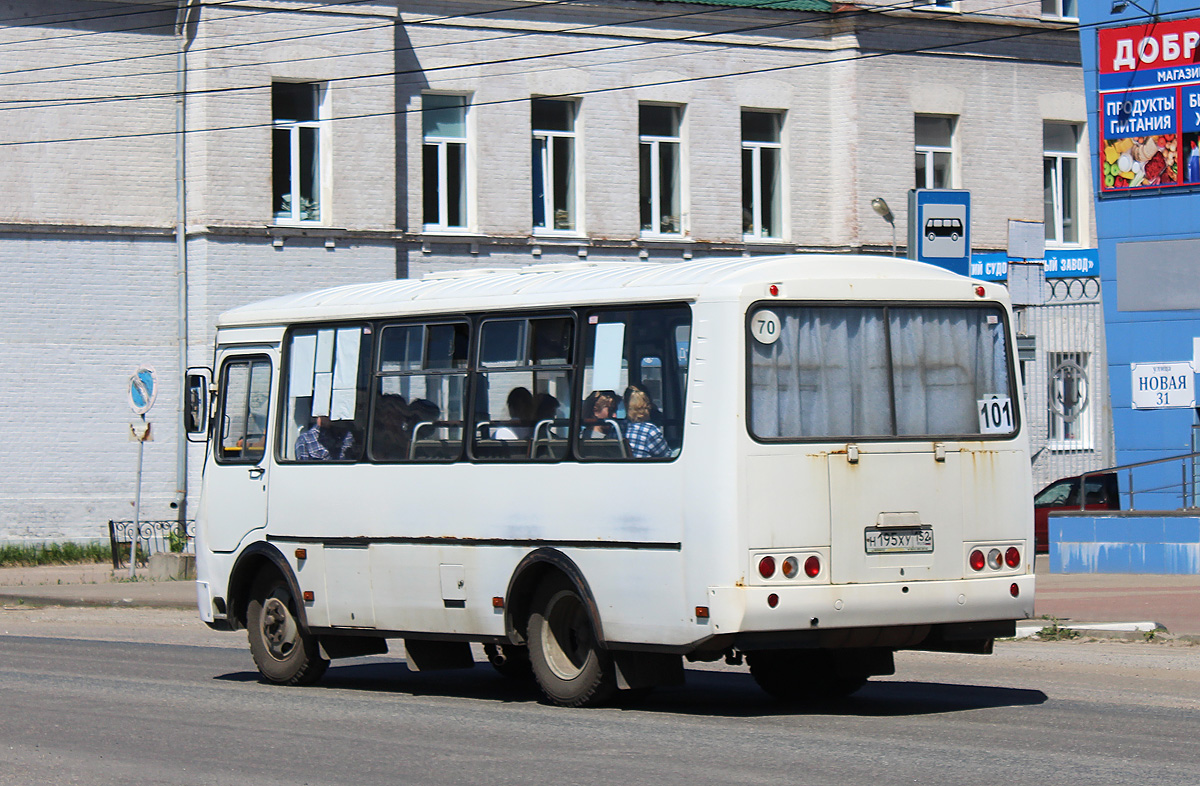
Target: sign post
[{"x": 143, "y": 389}]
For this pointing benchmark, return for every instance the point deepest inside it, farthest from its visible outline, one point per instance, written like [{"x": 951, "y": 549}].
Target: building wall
[
  {"x": 1138, "y": 331},
  {"x": 87, "y": 247}
]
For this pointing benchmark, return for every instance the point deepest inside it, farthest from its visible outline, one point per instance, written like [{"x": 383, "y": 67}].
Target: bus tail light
[
  {"x": 766, "y": 567},
  {"x": 1012, "y": 557},
  {"x": 812, "y": 566},
  {"x": 791, "y": 566},
  {"x": 994, "y": 559},
  {"x": 977, "y": 560},
  {"x": 772, "y": 600},
  {"x": 1014, "y": 590}
]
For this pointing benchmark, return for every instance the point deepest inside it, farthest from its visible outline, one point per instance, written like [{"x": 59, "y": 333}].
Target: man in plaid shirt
[{"x": 319, "y": 442}]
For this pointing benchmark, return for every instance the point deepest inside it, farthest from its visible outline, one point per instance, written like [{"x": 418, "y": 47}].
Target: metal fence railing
[
  {"x": 153, "y": 536},
  {"x": 1156, "y": 485}
]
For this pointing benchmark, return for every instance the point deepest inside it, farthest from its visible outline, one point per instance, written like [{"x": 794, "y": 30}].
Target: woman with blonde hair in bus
[{"x": 645, "y": 439}]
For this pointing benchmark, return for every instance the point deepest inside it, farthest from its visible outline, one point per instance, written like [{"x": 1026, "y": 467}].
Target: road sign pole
[{"x": 137, "y": 499}]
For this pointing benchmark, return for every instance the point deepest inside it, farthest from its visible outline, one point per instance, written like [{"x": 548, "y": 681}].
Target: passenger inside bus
[
  {"x": 520, "y": 412},
  {"x": 598, "y": 410},
  {"x": 322, "y": 441},
  {"x": 645, "y": 439}
]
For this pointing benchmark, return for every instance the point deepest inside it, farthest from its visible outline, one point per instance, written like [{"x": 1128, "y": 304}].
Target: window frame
[
  {"x": 1056, "y": 423},
  {"x": 472, "y": 419},
  {"x": 655, "y": 144},
  {"x": 1011, "y": 359},
  {"x": 368, "y": 334},
  {"x": 756, "y": 207},
  {"x": 249, "y": 360},
  {"x": 543, "y": 141},
  {"x": 1058, "y": 190},
  {"x": 929, "y": 152},
  {"x": 377, "y": 374},
  {"x": 1059, "y": 11},
  {"x": 466, "y": 181},
  {"x": 294, "y": 128}
]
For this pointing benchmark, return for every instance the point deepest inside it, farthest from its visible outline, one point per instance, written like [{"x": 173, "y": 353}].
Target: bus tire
[
  {"x": 801, "y": 676},
  {"x": 568, "y": 663},
  {"x": 284, "y": 652},
  {"x": 509, "y": 660}
]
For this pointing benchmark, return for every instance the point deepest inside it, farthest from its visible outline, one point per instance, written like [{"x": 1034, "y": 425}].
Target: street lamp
[
  {"x": 1120, "y": 5},
  {"x": 885, "y": 212}
]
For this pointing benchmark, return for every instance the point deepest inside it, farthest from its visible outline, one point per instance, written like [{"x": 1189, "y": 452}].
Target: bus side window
[
  {"x": 327, "y": 395},
  {"x": 637, "y": 360},
  {"x": 523, "y": 389},
  {"x": 245, "y": 400},
  {"x": 420, "y": 399}
]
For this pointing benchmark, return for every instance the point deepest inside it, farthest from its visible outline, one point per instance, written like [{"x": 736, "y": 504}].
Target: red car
[{"x": 1102, "y": 494}]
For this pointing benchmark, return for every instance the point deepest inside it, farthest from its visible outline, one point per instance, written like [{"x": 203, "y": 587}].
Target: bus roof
[{"x": 817, "y": 276}]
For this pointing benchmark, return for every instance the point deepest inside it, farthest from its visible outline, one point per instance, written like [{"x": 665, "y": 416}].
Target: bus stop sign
[{"x": 939, "y": 228}]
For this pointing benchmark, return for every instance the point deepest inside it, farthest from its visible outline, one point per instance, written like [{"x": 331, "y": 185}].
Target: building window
[
  {"x": 1060, "y": 9},
  {"x": 1070, "y": 427},
  {"x": 553, "y": 164},
  {"x": 661, "y": 163},
  {"x": 762, "y": 189},
  {"x": 934, "y": 135},
  {"x": 444, "y": 124},
  {"x": 296, "y": 108},
  {"x": 1060, "y": 166}
]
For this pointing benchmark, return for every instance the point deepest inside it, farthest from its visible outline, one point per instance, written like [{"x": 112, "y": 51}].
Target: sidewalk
[
  {"x": 91, "y": 585},
  {"x": 1077, "y": 599}
]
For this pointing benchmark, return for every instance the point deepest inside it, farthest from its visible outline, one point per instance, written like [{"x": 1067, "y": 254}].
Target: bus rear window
[{"x": 849, "y": 372}]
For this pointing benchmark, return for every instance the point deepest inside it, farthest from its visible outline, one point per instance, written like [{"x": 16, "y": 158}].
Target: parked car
[{"x": 1063, "y": 494}]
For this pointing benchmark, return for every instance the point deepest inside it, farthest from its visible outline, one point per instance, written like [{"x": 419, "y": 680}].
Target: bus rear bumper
[{"x": 847, "y": 607}]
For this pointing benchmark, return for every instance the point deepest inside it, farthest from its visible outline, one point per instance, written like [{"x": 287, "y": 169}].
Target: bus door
[
  {"x": 896, "y": 515},
  {"x": 236, "y": 477}
]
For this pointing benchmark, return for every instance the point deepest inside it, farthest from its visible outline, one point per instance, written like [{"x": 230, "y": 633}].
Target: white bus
[{"x": 599, "y": 470}]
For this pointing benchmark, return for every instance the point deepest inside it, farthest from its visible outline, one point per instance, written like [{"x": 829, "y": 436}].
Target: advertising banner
[
  {"x": 1149, "y": 84},
  {"x": 1059, "y": 263}
]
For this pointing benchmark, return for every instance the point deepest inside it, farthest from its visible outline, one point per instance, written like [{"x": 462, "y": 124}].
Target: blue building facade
[{"x": 1142, "y": 77}]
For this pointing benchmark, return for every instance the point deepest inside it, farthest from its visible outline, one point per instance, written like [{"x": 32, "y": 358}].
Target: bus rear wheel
[
  {"x": 283, "y": 652},
  {"x": 802, "y": 676},
  {"x": 568, "y": 663}
]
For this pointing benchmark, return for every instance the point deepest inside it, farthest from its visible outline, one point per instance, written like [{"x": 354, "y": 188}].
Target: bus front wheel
[
  {"x": 568, "y": 663},
  {"x": 802, "y": 676},
  {"x": 283, "y": 652}
]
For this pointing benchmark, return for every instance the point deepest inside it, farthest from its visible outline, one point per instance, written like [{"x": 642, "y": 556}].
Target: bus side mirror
[{"x": 195, "y": 407}]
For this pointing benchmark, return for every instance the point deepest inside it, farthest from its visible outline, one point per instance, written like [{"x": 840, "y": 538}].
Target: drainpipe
[{"x": 181, "y": 266}]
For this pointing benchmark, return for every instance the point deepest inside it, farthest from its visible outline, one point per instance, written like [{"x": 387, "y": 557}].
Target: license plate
[{"x": 899, "y": 540}]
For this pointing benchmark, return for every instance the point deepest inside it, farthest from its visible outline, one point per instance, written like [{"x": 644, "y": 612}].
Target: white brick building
[{"x": 315, "y": 155}]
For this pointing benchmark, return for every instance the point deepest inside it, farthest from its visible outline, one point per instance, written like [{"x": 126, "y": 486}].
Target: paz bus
[{"x": 599, "y": 471}]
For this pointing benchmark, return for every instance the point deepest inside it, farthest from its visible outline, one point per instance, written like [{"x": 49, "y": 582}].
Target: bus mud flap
[
  {"x": 647, "y": 669},
  {"x": 426, "y": 655}
]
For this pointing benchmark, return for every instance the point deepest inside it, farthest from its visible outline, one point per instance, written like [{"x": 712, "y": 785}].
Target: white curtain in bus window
[
  {"x": 344, "y": 397},
  {"x": 609, "y": 349},
  {"x": 323, "y": 373},
  {"x": 945, "y": 360},
  {"x": 842, "y": 372},
  {"x": 828, "y": 376}
]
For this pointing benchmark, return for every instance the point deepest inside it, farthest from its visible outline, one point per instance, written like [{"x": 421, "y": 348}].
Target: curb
[{"x": 74, "y": 601}]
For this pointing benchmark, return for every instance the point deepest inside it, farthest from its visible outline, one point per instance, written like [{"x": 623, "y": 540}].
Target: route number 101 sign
[{"x": 995, "y": 415}]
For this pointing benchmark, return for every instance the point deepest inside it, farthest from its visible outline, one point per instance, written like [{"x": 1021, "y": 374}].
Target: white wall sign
[{"x": 1163, "y": 385}]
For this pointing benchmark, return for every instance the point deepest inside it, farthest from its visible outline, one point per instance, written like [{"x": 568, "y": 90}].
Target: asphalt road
[{"x": 104, "y": 697}]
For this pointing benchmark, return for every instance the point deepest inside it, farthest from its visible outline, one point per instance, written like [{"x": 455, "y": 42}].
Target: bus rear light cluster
[
  {"x": 789, "y": 567},
  {"x": 994, "y": 558}
]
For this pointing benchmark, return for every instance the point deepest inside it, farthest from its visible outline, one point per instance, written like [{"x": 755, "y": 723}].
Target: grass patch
[
  {"x": 1056, "y": 632},
  {"x": 27, "y": 555}
]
